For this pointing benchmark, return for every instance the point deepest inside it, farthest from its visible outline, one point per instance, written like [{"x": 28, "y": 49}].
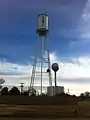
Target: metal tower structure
[
  {"x": 41, "y": 70},
  {"x": 2, "y": 81},
  {"x": 21, "y": 86}
]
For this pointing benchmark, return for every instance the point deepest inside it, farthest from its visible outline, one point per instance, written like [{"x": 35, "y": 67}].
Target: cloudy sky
[{"x": 69, "y": 40}]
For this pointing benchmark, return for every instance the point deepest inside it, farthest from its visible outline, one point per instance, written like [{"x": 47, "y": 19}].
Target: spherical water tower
[
  {"x": 55, "y": 68},
  {"x": 55, "y": 89},
  {"x": 41, "y": 70}
]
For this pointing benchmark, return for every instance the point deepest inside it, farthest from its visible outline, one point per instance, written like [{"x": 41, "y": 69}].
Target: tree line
[{"x": 15, "y": 91}]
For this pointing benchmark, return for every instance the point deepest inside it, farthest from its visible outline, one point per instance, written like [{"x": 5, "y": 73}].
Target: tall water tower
[{"x": 41, "y": 70}]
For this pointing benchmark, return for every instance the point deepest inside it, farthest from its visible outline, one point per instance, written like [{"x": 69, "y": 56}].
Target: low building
[{"x": 51, "y": 91}]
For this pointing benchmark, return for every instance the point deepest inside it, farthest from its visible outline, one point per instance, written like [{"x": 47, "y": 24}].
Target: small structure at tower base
[{"x": 55, "y": 90}]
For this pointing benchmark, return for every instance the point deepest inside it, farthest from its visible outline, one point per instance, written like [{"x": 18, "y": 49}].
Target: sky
[{"x": 69, "y": 40}]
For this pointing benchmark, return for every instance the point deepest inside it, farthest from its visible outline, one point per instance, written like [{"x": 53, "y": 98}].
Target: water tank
[
  {"x": 55, "y": 90},
  {"x": 42, "y": 24}
]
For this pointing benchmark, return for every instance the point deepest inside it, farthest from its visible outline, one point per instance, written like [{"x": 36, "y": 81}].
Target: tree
[
  {"x": 25, "y": 93},
  {"x": 74, "y": 96},
  {"x": 87, "y": 94},
  {"x": 44, "y": 94},
  {"x": 32, "y": 92},
  {"x": 60, "y": 94},
  {"x": 14, "y": 91},
  {"x": 4, "y": 91},
  {"x": 82, "y": 95}
]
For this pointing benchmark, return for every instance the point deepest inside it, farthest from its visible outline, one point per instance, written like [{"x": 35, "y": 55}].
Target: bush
[
  {"x": 14, "y": 91},
  {"x": 4, "y": 91},
  {"x": 26, "y": 93}
]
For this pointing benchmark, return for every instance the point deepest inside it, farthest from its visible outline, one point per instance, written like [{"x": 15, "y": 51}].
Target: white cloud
[
  {"x": 76, "y": 88},
  {"x": 72, "y": 74},
  {"x": 14, "y": 73},
  {"x": 77, "y": 68},
  {"x": 85, "y": 22},
  {"x": 7, "y": 67}
]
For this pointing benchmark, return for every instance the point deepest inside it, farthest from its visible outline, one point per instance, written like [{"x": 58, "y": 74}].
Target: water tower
[
  {"x": 55, "y": 89},
  {"x": 41, "y": 70}
]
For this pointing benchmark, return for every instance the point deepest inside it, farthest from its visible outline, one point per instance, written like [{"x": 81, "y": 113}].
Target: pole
[
  {"x": 21, "y": 87},
  {"x": 55, "y": 84},
  {"x": 41, "y": 61},
  {"x": 55, "y": 80},
  {"x": 48, "y": 52}
]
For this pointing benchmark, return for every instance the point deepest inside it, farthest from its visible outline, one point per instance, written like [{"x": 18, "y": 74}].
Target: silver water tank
[
  {"x": 43, "y": 21},
  {"x": 43, "y": 26}
]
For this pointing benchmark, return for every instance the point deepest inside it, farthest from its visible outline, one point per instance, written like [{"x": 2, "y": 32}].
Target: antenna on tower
[
  {"x": 41, "y": 66},
  {"x": 68, "y": 91},
  {"x": 22, "y": 87}
]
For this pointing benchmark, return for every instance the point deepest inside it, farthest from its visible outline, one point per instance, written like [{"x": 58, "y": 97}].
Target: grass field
[
  {"x": 21, "y": 118},
  {"x": 84, "y": 108},
  {"x": 45, "y": 110}
]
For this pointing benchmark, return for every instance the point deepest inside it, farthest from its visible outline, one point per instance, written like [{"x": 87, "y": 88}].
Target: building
[{"x": 55, "y": 90}]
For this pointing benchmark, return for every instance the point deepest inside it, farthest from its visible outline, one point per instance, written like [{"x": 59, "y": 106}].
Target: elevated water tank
[
  {"x": 55, "y": 90},
  {"x": 42, "y": 24}
]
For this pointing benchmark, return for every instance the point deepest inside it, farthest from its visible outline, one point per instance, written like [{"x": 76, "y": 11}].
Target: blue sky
[
  {"x": 69, "y": 35},
  {"x": 18, "y": 26}
]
